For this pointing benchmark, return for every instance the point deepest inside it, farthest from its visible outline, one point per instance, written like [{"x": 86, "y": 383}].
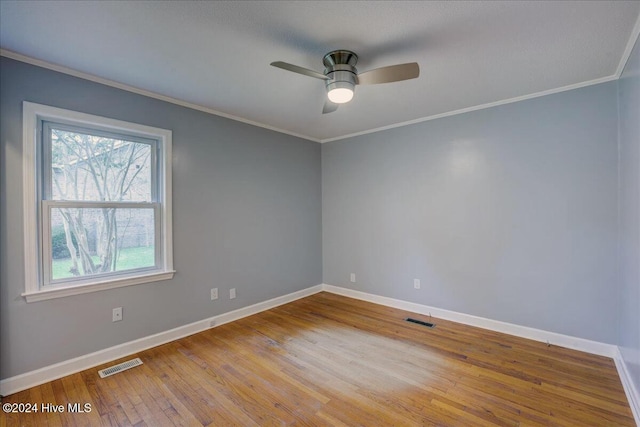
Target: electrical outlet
[
  {"x": 117, "y": 314},
  {"x": 214, "y": 294},
  {"x": 232, "y": 293},
  {"x": 416, "y": 283},
  {"x": 353, "y": 278}
]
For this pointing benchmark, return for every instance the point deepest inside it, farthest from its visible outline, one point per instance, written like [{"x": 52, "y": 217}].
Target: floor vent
[
  {"x": 120, "y": 367},
  {"x": 420, "y": 322}
]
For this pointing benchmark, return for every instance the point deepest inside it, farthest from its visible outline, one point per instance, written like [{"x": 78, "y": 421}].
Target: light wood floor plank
[{"x": 328, "y": 360}]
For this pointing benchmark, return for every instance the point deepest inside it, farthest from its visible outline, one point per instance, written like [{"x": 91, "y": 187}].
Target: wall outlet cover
[{"x": 117, "y": 314}]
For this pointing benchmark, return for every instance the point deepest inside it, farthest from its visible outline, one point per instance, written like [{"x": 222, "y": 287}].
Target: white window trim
[{"x": 31, "y": 114}]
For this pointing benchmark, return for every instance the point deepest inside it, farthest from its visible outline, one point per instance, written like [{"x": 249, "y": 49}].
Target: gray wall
[
  {"x": 246, "y": 208},
  {"x": 629, "y": 108},
  {"x": 508, "y": 213}
]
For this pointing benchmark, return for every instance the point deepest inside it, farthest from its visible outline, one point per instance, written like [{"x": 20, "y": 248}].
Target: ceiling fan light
[
  {"x": 340, "y": 95},
  {"x": 340, "y": 90}
]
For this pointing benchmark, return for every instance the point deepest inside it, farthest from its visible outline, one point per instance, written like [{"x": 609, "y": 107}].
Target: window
[{"x": 97, "y": 203}]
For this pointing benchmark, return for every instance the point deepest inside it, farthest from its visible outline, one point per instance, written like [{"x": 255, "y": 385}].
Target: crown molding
[
  {"x": 86, "y": 76},
  {"x": 635, "y": 33},
  {"x": 477, "y": 107}
]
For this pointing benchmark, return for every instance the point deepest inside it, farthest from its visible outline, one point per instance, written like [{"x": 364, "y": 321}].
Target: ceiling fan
[{"x": 341, "y": 76}]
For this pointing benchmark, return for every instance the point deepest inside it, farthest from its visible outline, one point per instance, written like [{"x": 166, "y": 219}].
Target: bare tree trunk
[
  {"x": 107, "y": 230},
  {"x": 69, "y": 241},
  {"x": 79, "y": 230}
]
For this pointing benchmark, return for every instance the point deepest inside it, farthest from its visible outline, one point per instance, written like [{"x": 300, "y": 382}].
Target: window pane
[
  {"x": 96, "y": 168},
  {"x": 87, "y": 241}
]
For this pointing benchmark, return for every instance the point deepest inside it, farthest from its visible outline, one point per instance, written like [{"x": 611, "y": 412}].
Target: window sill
[{"x": 66, "y": 291}]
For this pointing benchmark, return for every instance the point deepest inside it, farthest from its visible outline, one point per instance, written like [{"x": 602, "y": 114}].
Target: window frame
[{"x": 38, "y": 205}]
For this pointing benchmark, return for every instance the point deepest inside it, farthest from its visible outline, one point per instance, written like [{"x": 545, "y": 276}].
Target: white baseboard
[
  {"x": 593, "y": 347},
  {"x": 633, "y": 395},
  {"x": 49, "y": 373}
]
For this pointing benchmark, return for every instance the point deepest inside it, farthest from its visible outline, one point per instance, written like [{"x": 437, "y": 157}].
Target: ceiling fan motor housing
[{"x": 341, "y": 70}]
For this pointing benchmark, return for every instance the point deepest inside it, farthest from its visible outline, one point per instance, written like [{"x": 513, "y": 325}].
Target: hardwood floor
[{"x": 327, "y": 360}]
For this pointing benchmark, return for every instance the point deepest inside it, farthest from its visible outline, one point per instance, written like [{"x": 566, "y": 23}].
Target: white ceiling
[{"x": 216, "y": 55}]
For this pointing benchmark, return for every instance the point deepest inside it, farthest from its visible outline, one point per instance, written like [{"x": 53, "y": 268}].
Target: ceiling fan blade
[
  {"x": 392, "y": 73},
  {"x": 299, "y": 70},
  {"x": 329, "y": 107}
]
